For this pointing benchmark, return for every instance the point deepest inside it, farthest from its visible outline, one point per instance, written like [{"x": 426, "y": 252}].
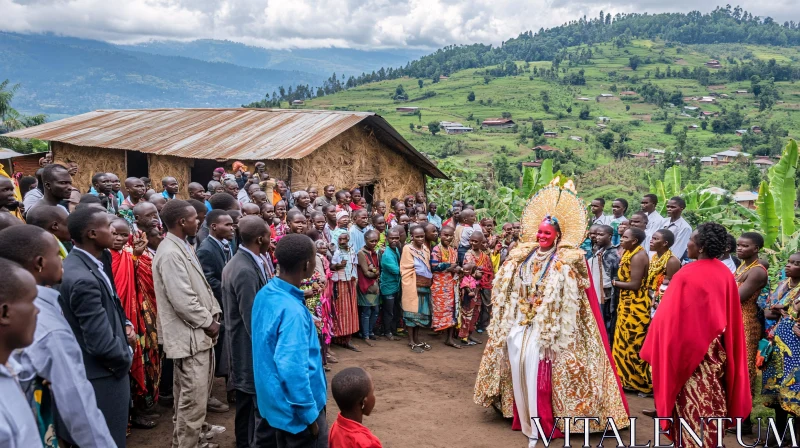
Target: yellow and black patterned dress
[{"x": 633, "y": 317}]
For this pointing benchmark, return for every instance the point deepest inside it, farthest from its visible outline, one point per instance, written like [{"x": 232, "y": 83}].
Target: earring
[{"x": 39, "y": 269}]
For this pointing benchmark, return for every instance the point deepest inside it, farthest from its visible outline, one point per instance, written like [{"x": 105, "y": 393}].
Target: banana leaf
[
  {"x": 768, "y": 221},
  {"x": 546, "y": 173},
  {"x": 782, "y": 187},
  {"x": 529, "y": 178},
  {"x": 672, "y": 182}
]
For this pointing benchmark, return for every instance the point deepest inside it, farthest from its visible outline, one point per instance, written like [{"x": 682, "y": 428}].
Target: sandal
[
  {"x": 352, "y": 347},
  {"x": 142, "y": 422},
  {"x": 452, "y": 344},
  {"x": 468, "y": 343},
  {"x": 425, "y": 346},
  {"x": 417, "y": 348}
]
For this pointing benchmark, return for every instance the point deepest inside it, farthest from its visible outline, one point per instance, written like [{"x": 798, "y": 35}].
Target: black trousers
[
  {"x": 388, "y": 315},
  {"x": 251, "y": 430},
  {"x": 304, "y": 439},
  {"x": 165, "y": 385}
]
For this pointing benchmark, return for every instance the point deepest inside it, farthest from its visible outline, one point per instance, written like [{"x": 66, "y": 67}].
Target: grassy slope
[{"x": 521, "y": 97}]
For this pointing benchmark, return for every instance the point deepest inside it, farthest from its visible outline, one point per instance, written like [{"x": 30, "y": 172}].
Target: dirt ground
[{"x": 423, "y": 400}]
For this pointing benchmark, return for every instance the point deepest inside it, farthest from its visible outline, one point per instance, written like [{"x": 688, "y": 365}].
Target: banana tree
[
  {"x": 783, "y": 190},
  {"x": 668, "y": 188}
]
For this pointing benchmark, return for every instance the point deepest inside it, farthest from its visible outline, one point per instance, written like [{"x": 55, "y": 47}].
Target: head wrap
[
  {"x": 237, "y": 164},
  {"x": 219, "y": 170},
  {"x": 341, "y": 215}
]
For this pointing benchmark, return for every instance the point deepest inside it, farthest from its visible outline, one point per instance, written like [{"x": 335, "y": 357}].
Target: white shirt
[
  {"x": 243, "y": 197},
  {"x": 603, "y": 220},
  {"x": 654, "y": 222},
  {"x": 682, "y": 231},
  {"x": 99, "y": 265},
  {"x": 730, "y": 264},
  {"x": 257, "y": 258},
  {"x": 467, "y": 233}
]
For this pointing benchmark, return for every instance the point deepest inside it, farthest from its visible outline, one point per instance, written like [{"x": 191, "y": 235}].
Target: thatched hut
[{"x": 304, "y": 147}]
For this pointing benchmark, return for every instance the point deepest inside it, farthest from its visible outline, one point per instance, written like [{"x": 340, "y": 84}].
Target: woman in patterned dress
[
  {"x": 633, "y": 313},
  {"x": 779, "y": 385},
  {"x": 751, "y": 277},
  {"x": 663, "y": 266},
  {"x": 147, "y": 296},
  {"x": 443, "y": 291},
  {"x": 415, "y": 272},
  {"x": 343, "y": 266}
]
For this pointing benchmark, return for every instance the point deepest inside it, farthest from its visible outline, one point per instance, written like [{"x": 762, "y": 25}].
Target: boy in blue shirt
[{"x": 287, "y": 362}]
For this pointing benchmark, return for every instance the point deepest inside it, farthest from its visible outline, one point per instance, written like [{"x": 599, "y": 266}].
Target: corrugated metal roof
[
  {"x": 249, "y": 134},
  {"x": 6, "y": 153}
]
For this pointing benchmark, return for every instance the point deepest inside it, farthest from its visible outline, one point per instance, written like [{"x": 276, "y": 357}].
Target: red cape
[{"x": 701, "y": 303}]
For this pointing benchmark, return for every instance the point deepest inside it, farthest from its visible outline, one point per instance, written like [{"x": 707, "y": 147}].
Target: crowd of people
[{"x": 248, "y": 281}]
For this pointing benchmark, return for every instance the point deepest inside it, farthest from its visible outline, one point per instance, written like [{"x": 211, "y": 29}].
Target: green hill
[{"x": 539, "y": 96}]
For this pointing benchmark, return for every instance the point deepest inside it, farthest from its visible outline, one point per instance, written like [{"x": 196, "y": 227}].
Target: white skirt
[{"x": 524, "y": 388}]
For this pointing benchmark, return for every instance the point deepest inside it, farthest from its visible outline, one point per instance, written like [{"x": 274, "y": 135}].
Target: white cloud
[{"x": 324, "y": 23}]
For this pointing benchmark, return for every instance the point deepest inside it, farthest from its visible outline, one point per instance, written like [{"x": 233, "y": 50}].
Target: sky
[{"x": 362, "y": 24}]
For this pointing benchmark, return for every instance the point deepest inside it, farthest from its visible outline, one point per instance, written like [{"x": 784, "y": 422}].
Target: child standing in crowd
[
  {"x": 390, "y": 283},
  {"x": 354, "y": 393},
  {"x": 342, "y": 203},
  {"x": 324, "y": 310},
  {"x": 368, "y": 286},
  {"x": 470, "y": 304},
  {"x": 482, "y": 259},
  {"x": 464, "y": 231},
  {"x": 445, "y": 284},
  {"x": 604, "y": 265},
  {"x": 483, "y": 267},
  {"x": 344, "y": 267},
  {"x": 379, "y": 225}
]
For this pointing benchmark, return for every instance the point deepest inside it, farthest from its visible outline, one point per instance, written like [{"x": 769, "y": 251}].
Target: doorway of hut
[
  {"x": 368, "y": 193},
  {"x": 136, "y": 164},
  {"x": 203, "y": 170}
]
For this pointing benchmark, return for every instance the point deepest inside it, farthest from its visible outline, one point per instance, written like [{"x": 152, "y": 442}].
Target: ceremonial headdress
[{"x": 559, "y": 205}]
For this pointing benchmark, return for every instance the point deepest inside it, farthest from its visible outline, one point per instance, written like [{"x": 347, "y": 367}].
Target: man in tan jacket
[{"x": 188, "y": 321}]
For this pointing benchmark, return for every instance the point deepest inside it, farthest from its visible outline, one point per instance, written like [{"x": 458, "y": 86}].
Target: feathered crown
[{"x": 560, "y": 205}]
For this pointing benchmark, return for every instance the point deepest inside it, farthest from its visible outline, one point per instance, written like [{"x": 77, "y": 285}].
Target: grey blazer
[{"x": 186, "y": 304}]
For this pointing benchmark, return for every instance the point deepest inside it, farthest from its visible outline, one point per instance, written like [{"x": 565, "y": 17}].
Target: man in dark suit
[
  {"x": 214, "y": 253},
  {"x": 242, "y": 278},
  {"x": 93, "y": 311}
]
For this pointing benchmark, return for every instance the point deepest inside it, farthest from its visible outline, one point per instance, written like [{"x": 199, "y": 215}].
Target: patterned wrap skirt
[
  {"x": 345, "y": 322},
  {"x": 422, "y": 318}
]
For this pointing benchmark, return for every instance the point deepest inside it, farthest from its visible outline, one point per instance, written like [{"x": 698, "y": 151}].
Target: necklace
[{"x": 740, "y": 271}]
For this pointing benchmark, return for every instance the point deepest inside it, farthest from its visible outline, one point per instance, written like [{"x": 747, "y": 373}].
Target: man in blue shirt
[{"x": 287, "y": 362}]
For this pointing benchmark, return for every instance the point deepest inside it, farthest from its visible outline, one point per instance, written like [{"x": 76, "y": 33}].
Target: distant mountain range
[
  {"x": 66, "y": 76},
  {"x": 323, "y": 61}
]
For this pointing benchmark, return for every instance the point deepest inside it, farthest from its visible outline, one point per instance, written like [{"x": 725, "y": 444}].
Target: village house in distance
[{"x": 304, "y": 147}]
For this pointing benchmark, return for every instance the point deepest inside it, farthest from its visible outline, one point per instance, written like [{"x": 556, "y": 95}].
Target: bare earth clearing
[{"x": 423, "y": 400}]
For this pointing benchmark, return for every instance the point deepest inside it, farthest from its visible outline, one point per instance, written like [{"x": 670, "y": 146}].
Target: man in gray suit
[
  {"x": 242, "y": 278},
  {"x": 188, "y": 324},
  {"x": 93, "y": 310}
]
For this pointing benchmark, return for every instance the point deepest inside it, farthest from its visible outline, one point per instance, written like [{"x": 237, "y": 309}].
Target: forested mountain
[
  {"x": 61, "y": 75},
  {"x": 723, "y": 25},
  {"x": 317, "y": 60}
]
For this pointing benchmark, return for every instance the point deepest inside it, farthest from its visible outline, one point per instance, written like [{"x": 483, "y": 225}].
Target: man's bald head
[
  {"x": 251, "y": 228},
  {"x": 7, "y": 220},
  {"x": 146, "y": 215},
  {"x": 250, "y": 209}
]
